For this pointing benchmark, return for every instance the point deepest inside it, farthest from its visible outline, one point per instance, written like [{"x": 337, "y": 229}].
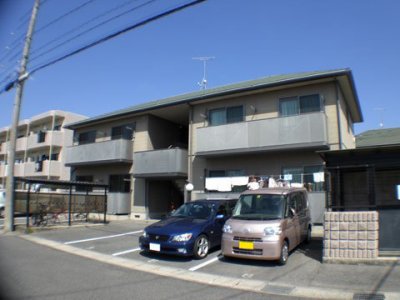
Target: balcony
[
  {"x": 48, "y": 168},
  {"x": 19, "y": 146},
  {"x": 114, "y": 151},
  {"x": 295, "y": 132},
  {"x": 45, "y": 139},
  {"x": 161, "y": 163}
]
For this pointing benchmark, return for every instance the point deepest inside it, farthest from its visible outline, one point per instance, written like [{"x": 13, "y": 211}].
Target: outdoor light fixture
[{"x": 189, "y": 187}]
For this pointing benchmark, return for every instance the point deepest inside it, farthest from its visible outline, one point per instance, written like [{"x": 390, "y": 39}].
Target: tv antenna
[
  {"x": 380, "y": 109},
  {"x": 204, "y": 59}
]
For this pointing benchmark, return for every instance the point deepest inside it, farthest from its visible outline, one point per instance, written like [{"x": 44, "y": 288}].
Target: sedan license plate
[
  {"x": 246, "y": 245},
  {"x": 155, "y": 247}
]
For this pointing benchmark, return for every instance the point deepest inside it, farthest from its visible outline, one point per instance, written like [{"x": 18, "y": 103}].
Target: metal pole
[
  {"x": 69, "y": 205},
  {"x": 105, "y": 205},
  {"x": 10, "y": 184},
  {"x": 27, "y": 206}
]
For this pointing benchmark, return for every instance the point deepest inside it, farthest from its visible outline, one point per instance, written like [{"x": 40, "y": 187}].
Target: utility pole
[{"x": 22, "y": 76}]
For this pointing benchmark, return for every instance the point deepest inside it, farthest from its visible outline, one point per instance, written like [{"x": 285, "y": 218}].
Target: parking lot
[
  {"x": 121, "y": 239},
  {"x": 304, "y": 274}
]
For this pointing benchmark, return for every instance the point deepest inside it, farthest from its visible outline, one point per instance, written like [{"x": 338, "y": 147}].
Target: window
[
  {"x": 87, "y": 137},
  {"x": 86, "y": 178},
  {"x": 226, "y": 115},
  {"x": 122, "y": 132},
  {"x": 54, "y": 156},
  {"x": 41, "y": 137},
  {"x": 299, "y": 105},
  {"x": 57, "y": 128},
  {"x": 225, "y": 173},
  {"x": 309, "y": 176},
  {"x": 120, "y": 183}
]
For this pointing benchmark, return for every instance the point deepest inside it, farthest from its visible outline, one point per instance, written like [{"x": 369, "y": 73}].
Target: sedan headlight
[
  {"x": 144, "y": 234},
  {"x": 227, "y": 228},
  {"x": 272, "y": 230},
  {"x": 182, "y": 237}
]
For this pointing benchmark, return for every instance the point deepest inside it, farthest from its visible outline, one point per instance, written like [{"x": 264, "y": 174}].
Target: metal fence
[
  {"x": 58, "y": 203},
  {"x": 363, "y": 188}
]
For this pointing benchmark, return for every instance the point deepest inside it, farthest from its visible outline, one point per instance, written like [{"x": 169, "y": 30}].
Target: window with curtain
[
  {"x": 226, "y": 115},
  {"x": 309, "y": 103},
  {"x": 299, "y": 105},
  {"x": 289, "y": 106}
]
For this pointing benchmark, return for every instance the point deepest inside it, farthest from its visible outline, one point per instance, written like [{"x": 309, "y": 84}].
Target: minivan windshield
[
  {"x": 259, "y": 207},
  {"x": 193, "y": 210}
]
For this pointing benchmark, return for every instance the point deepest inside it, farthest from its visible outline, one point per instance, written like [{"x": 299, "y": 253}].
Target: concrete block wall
[{"x": 351, "y": 235}]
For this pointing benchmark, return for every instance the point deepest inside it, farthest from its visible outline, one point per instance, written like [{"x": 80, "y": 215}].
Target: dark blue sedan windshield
[{"x": 193, "y": 210}]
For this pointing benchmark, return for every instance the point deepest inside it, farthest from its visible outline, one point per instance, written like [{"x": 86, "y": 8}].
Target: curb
[{"x": 259, "y": 286}]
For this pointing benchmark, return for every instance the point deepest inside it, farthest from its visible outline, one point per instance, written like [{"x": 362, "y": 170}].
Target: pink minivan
[{"x": 267, "y": 224}]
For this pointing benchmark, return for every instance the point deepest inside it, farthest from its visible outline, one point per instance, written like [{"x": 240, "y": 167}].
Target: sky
[{"x": 248, "y": 40}]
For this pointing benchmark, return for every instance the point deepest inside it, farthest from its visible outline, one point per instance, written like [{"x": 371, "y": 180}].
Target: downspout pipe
[{"x": 337, "y": 91}]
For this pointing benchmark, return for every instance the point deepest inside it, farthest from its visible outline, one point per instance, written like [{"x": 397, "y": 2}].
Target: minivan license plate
[
  {"x": 155, "y": 247},
  {"x": 246, "y": 245}
]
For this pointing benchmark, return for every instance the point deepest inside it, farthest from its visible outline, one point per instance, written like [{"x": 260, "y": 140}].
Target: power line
[
  {"x": 92, "y": 28},
  {"x": 64, "y": 34},
  {"x": 111, "y": 36},
  {"x": 59, "y": 18}
]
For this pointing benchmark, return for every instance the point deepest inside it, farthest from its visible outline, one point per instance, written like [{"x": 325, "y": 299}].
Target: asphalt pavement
[{"x": 304, "y": 275}]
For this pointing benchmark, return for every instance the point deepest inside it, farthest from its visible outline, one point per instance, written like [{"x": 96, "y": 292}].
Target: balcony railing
[
  {"x": 161, "y": 163},
  {"x": 48, "y": 138},
  {"x": 99, "y": 153},
  {"x": 47, "y": 168},
  {"x": 295, "y": 132}
]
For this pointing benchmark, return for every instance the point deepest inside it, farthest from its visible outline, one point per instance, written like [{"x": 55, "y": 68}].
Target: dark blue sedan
[{"x": 191, "y": 230}]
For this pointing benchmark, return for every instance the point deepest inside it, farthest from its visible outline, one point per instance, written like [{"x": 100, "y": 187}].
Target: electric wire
[
  {"x": 59, "y": 18},
  {"x": 91, "y": 29},
  {"x": 106, "y": 38},
  {"x": 80, "y": 26}
]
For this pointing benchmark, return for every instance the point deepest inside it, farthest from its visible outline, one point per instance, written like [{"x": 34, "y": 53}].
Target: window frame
[
  {"x": 225, "y": 110},
  {"x": 299, "y": 108}
]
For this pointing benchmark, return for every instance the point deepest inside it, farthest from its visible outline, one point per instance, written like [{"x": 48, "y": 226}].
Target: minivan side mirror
[{"x": 292, "y": 212}]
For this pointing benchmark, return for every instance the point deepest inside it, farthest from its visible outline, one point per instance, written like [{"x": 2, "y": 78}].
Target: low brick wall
[{"x": 351, "y": 236}]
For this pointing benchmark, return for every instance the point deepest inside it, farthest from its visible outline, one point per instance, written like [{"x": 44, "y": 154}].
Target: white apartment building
[{"x": 41, "y": 141}]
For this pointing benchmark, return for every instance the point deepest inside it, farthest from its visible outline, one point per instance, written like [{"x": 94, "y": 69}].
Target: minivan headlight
[
  {"x": 227, "y": 228},
  {"x": 272, "y": 230},
  {"x": 182, "y": 237}
]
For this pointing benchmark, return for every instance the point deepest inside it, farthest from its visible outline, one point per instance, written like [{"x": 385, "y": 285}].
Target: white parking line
[
  {"x": 125, "y": 252},
  {"x": 102, "y": 237},
  {"x": 206, "y": 263}
]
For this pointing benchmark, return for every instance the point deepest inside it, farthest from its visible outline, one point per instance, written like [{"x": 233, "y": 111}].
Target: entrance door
[{"x": 163, "y": 196}]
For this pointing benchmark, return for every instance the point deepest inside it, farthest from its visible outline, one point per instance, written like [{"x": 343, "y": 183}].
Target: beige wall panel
[{"x": 142, "y": 140}]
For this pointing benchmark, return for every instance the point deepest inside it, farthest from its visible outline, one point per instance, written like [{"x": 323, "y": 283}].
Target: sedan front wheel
[{"x": 201, "y": 247}]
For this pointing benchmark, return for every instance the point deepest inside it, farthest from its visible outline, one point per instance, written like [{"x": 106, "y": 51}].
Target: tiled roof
[
  {"x": 378, "y": 137},
  {"x": 265, "y": 82}
]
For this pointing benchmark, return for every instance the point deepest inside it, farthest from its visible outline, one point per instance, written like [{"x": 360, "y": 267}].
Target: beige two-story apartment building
[
  {"x": 40, "y": 145},
  {"x": 216, "y": 139}
]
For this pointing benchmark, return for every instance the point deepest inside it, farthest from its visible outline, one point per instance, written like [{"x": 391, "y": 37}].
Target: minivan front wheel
[
  {"x": 201, "y": 247},
  {"x": 308, "y": 237},
  {"x": 284, "y": 253}
]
